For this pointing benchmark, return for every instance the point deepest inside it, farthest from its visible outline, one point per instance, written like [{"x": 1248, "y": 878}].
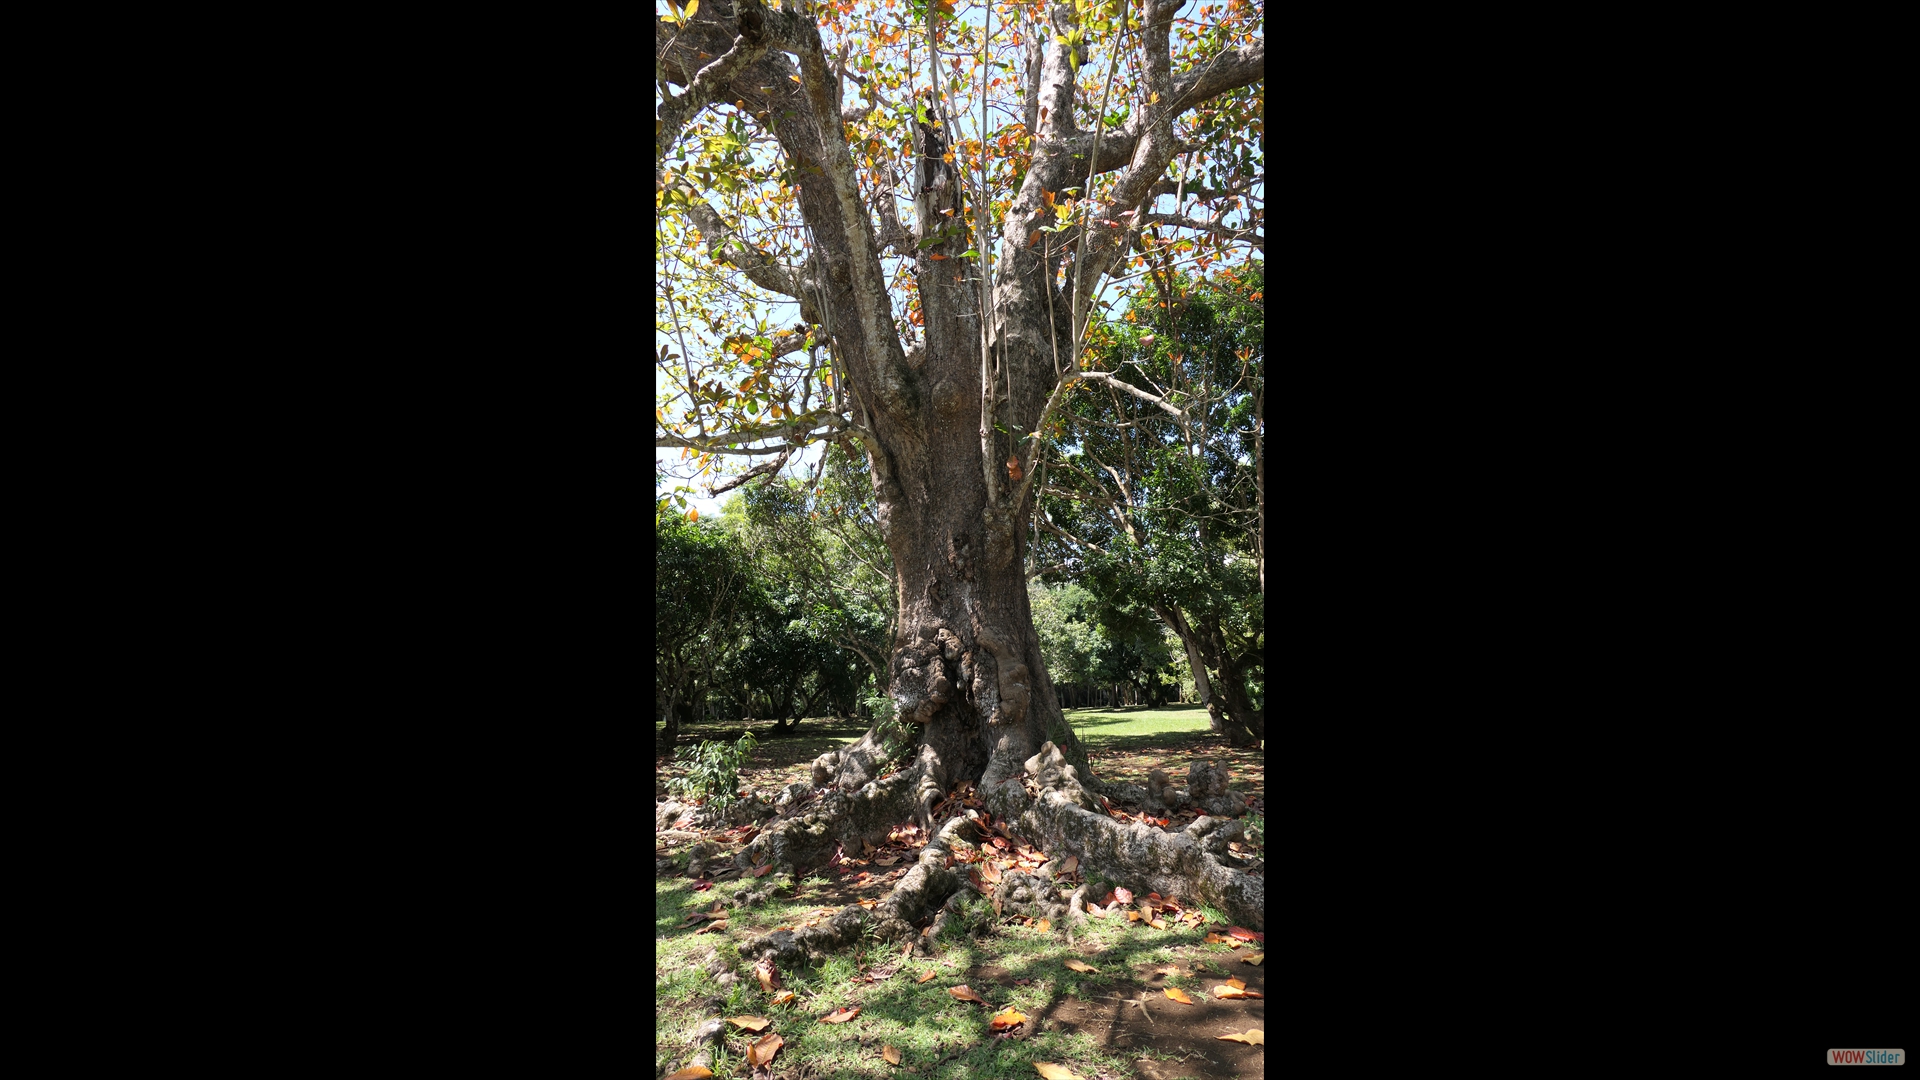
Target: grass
[{"x": 938, "y": 1036}]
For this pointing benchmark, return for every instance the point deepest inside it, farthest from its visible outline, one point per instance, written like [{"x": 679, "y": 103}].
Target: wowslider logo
[{"x": 1866, "y": 1057}]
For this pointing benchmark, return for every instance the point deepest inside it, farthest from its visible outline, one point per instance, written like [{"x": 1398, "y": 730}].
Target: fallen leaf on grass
[
  {"x": 1157, "y": 924},
  {"x": 1009, "y": 1018},
  {"x": 841, "y": 1015},
  {"x": 965, "y": 994},
  {"x": 1044, "y": 926},
  {"x": 720, "y": 925},
  {"x": 769, "y": 979},
  {"x": 761, "y": 1052},
  {"x": 702, "y": 886},
  {"x": 783, "y": 997},
  {"x": 1133, "y": 916},
  {"x": 751, "y": 1023},
  {"x": 1252, "y": 1037},
  {"x": 924, "y": 978},
  {"x": 1055, "y": 1072},
  {"x": 1178, "y": 995},
  {"x": 892, "y": 1055},
  {"x": 1081, "y": 965},
  {"x": 1253, "y": 958},
  {"x": 692, "y": 1073},
  {"x": 1234, "y": 988}
]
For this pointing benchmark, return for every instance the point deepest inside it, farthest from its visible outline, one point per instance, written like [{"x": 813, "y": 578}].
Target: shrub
[{"x": 713, "y": 768}]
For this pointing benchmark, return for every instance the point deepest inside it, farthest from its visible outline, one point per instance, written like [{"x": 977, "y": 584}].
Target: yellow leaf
[
  {"x": 924, "y": 978},
  {"x": 795, "y": 78},
  {"x": 1081, "y": 965},
  {"x": 892, "y": 1055},
  {"x": 1178, "y": 995},
  {"x": 1007, "y": 1018},
  {"x": 1254, "y": 959},
  {"x": 1133, "y": 916},
  {"x": 1055, "y": 1072},
  {"x": 751, "y": 1023},
  {"x": 1153, "y": 98},
  {"x": 1252, "y": 1037},
  {"x": 783, "y": 997},
  {"x": 947, "y": 157},
  {"x": 1044, "y": 926},
  {"x": 693, "y": 1073},
  {"x": 692, "y": 6}
]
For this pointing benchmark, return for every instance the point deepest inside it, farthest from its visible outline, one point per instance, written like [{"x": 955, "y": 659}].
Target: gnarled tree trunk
[{"x": 945, "y": 422}]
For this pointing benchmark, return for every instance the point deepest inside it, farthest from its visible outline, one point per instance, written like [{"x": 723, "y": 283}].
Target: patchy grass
[{"x": 1113, "y": 1022}]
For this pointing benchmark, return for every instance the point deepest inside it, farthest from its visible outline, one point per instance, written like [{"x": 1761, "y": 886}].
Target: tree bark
[{"x": 944, "y": 426}]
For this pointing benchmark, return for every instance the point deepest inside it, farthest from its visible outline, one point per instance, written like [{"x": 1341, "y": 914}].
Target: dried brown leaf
[
  {"x": 751, "y": 1023},
  {"x": 1049, "y": 1070},
  {"x": 1253, "y": 958},
  {"x": 762, "y": 1051},
  {"x": 1123, "y": 895},
  {"x": 892, "y": 1055},
  {"x": 1072, "y": 864},
  {"x": 841, "y": 1015},
  {"x": 965, "y": 994},
  {"x": 783, "y": 997},
  {"x": 1081, "y": 965},
  {"x": 924, "y": 978},
  {"x": 692, "y": 1072}
]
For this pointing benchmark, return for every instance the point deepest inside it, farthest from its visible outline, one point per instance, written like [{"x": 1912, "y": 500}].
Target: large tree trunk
[
  {"x": 1196, "y": 661},
  {"x": 1231, "y": 712},
  {"x": 943, "y": 422}
]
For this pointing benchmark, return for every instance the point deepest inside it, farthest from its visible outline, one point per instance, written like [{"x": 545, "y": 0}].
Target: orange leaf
[
  {"x": 965, "y": 994},
  {"x": 761, "y": 1052},
  {"x": 1006, "y": 1019},
  {"x": 1216, "y": 939},
  {"x": 719, "y": 925},
  {"x": 937, "y": 257},
  {"x": 1237, "y": 984},
  {"x": 1044, "y": 926},
  {"x": 1178, "y": 995},
  {"x": 1081, "y": 965},
  {"x": 841, "y": 1015},
  {"x": 695, "y": 1072},
  {"x": 751, "y": 1023},
  {"x": 892, "y": 1055},
  {"x": 1133, "y": 916},
  {"x": 783, "y": 997},
  {"x": 1253, "y": 958},
  {"x": 924, "y": 978},
  {"x": 1240, "y": 932}
]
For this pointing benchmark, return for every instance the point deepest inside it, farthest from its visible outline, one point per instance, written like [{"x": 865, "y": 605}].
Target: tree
[
  {"x": 704, "y": 595},
  {"x": 1033, "y": 175}
]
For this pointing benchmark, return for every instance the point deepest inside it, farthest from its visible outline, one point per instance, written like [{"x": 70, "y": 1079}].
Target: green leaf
[
  {"x": 931, "y": 240},
  {"x": 969, "y": 254}
]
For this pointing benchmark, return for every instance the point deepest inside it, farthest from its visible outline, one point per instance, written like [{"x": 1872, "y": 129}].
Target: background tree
[
  {"x": 1161, "y": 514},
  {"x": 946, "y": 240},
  {"x": 704, "y": 598}
]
